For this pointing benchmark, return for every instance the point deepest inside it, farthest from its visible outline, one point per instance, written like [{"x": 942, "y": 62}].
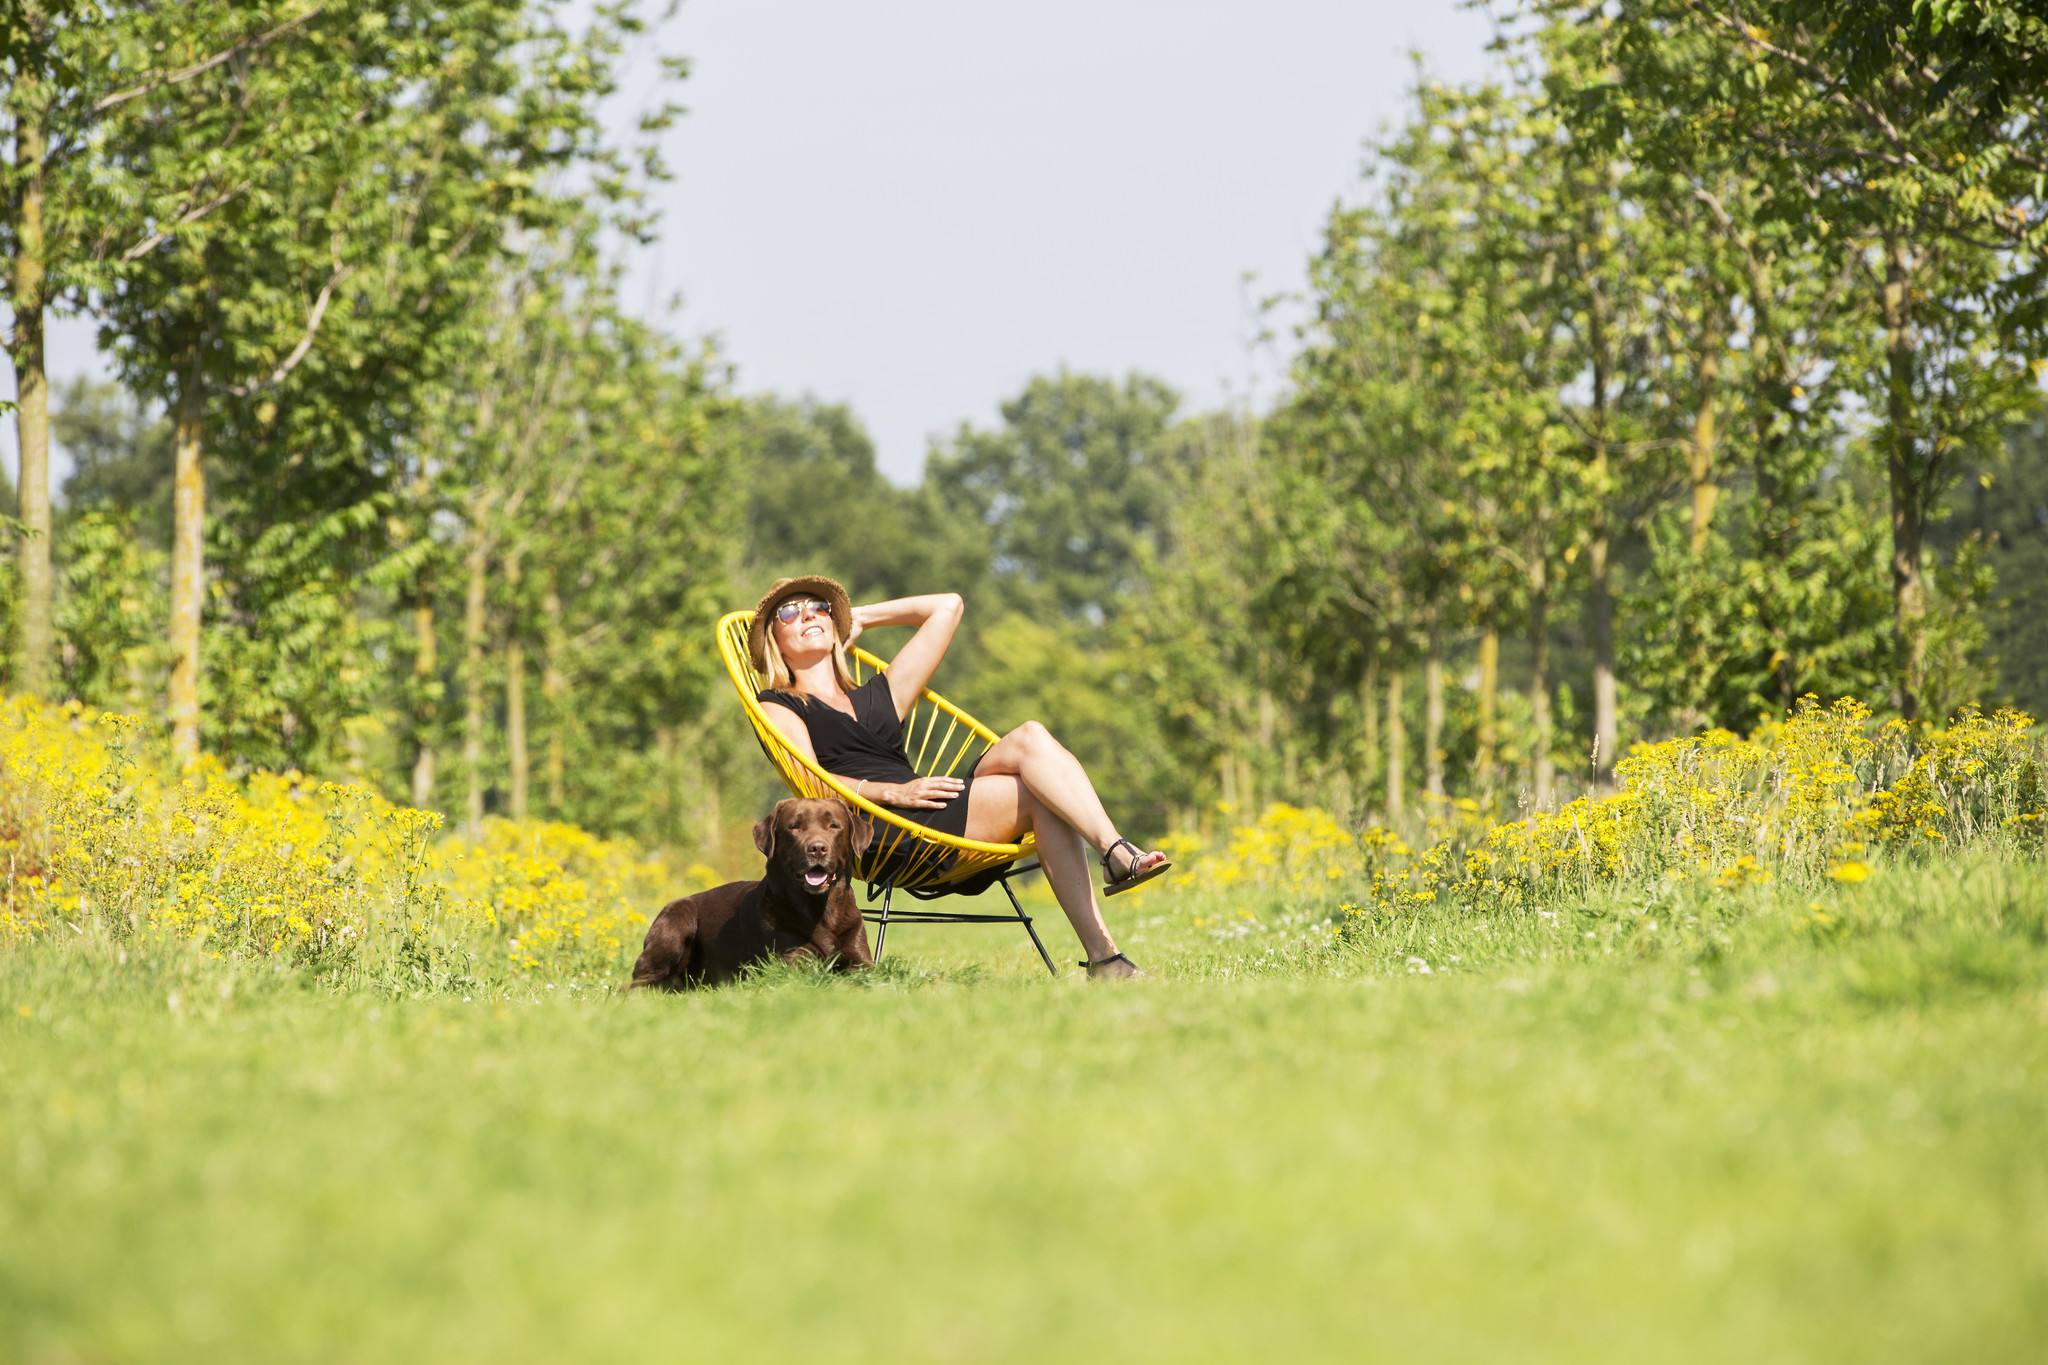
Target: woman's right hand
[{"x": 924, "y": 793}]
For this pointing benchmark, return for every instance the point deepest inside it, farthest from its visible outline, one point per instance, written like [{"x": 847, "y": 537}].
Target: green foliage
[
  {"x": 121, "y": 455},
  {"x": 1901, "y": 141},
  {"x": 636, "y": 552},
  {"x": 2004, "y": 506},
  {"x": 111, "y": 612},
  {"x": 1068, "y": 493},
  {"x": 816, "y": 503},
  {"x": 1719, "y": 637},
  {"x": 291, "y": 675},
  {"x": 1092, "y": 700}
]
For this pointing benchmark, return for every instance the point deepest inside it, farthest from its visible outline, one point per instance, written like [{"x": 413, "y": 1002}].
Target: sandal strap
[
  {"x": 1103, "y": 962},
  {"x": 1137, "y": 856}
]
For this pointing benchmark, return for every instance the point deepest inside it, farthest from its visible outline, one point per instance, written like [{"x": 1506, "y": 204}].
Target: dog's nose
[{"x": 817, "y": 848}]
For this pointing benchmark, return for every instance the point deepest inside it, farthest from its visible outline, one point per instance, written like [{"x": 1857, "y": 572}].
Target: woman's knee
[{"x": 1032, "y": 735}]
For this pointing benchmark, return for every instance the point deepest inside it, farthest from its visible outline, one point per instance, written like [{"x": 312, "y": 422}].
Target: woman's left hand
[
  {"x": 928, "y": 793},
  {"x": 858, "y": 626}
]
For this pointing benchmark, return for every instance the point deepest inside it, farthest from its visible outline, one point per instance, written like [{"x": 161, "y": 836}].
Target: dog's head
[{"x": 811, "y": 843}]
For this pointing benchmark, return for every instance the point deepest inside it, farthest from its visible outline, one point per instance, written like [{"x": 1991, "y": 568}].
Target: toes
[{"x": 1133, "y": 863}]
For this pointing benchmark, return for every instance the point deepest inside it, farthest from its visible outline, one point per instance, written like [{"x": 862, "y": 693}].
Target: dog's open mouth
[{"x": 817, "y": 879}]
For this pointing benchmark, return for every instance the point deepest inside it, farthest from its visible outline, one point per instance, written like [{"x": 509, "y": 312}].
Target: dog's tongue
[{"x": 815, "y": 880}]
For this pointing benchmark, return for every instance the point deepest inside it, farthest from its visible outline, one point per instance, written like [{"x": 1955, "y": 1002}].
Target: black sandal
[
  {"x": 1134, "y": 968},
  {"x": 1113, "y": 886}
]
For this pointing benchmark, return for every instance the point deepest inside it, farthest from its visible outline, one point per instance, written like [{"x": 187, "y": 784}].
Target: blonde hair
[{"x": 780, "y": 679}]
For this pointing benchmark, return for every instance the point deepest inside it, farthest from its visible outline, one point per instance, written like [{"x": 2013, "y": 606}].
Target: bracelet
[{"x": 857, "y": 786}]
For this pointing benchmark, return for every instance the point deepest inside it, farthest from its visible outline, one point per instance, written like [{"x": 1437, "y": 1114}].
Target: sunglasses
[{"x": 800, "y": 606}]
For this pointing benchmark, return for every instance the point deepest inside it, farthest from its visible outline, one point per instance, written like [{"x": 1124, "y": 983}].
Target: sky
[{"x": 913, "y": 206}]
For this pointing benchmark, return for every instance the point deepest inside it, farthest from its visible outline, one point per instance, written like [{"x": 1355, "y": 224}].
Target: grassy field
[{"x": 1762, "y": 1124}]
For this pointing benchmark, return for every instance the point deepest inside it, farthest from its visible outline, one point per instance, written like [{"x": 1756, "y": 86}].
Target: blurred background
[{"x": 1349, "y": 405}]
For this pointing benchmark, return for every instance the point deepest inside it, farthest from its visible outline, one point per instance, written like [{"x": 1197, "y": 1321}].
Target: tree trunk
[
  {"x": 1369, "y": 703},
  {"x": 517, "y": 767},
  {"x": 32, "y": 415},
  {"x": 424, "y": 665},
  {"x": 476, "y": 562},
  {"x": 1542, "y": 772},
  {"x": 1606, "y": 726},
  {"x": 515, "y": 726},
  {"x": 1397, "y": 747},
  {"x": 188, "y": 567},
  {"x": 1487, "y": 759},
  {"x": 554, "y": 687},
  {"x": 1909, "y": 517},
  {"x": 1705, "y": 492},
  {"x": 1433, "y": 717}
]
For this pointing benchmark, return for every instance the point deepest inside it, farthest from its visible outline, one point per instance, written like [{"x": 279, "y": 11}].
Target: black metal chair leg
[
  {"x": 882, "y": 926},
  {"x": 1042, "y": 953}
]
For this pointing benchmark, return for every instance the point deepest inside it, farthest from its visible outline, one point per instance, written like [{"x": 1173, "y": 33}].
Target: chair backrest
[{"x": 941, "y": 741}]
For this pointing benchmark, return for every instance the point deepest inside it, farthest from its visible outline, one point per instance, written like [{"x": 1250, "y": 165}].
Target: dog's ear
[{"x": 764, "y": 834}]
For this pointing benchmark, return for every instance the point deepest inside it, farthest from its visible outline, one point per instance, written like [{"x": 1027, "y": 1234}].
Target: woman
[{"x": 1025, "y": 784}]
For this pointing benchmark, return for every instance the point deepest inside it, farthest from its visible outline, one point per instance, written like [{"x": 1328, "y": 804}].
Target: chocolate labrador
[{"x": 803, "y": 905}]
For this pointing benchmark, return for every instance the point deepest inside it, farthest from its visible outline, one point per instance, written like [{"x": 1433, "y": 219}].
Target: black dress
[{"x": 868, "y": 747}]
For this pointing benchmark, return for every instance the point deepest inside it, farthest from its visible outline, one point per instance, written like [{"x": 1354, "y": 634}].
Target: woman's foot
[
  {"x": 1125, "y": 866},
  {"x": 1115, "y": 967}
]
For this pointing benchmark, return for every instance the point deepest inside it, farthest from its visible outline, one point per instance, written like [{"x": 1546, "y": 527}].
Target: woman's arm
[
  {"x": 936, "y": 616},
  {"x": 924, "y": 793}
]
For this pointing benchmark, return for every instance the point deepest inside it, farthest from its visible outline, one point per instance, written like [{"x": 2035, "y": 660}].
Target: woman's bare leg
[
  {"x": 1001, "y": 808},
  {"x": 1057, "y": 779}
]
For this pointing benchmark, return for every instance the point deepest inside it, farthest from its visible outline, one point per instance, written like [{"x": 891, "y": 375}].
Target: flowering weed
[
  {"x": 1822, "y": 796},
  {"x": 332, "y": 878}
]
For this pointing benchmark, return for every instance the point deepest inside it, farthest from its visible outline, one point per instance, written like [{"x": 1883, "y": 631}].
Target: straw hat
[{"x": 812, "y": 585}]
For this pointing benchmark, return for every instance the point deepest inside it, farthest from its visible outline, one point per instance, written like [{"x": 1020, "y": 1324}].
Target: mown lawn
[{"x": 1772, "y": 1128}]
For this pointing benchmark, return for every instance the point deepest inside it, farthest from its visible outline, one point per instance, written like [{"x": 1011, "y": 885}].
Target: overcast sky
[{"x": 912, "y": 206}]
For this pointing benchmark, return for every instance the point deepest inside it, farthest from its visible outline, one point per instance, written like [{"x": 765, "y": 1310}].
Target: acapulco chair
[{"x": 941, "y": 740}]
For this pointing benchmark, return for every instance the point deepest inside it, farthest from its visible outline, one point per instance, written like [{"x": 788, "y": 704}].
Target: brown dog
[{"x": 802, "y": 907}]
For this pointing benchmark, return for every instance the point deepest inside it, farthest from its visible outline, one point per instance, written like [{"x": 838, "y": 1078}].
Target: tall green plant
[{"x": 1908, "y": 138}]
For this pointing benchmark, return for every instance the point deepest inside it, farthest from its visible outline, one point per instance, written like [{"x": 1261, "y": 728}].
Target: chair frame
[{"x": 925, "y": 863}]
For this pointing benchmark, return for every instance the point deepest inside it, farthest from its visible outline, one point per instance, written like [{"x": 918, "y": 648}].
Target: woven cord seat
[{"x": 941, "y": 740}]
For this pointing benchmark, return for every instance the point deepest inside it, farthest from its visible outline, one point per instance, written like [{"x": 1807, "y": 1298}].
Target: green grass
[{"x": 1748, "y": 1133}]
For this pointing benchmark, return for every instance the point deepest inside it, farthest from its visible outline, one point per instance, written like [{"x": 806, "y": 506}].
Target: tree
[
  {"x": 1361, "y": 556},
  {"x": 69, "y": 68},
  {"x": 306, "y": 318},
  {"x": 573, "y": 506},
  {"x": 2000, "y": 509},
  {"x": 625, "y": 573},
  {"x": 1200, "y": 654},
  {"x": 1527, "y": 485},
  {"x": 816, "y": 503},
  {"x": 1069, "y": 490},
  {"x": 1911, "y": 139}
]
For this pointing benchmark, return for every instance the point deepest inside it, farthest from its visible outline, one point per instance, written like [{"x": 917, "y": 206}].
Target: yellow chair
[{"x": 941, "y": 741}]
